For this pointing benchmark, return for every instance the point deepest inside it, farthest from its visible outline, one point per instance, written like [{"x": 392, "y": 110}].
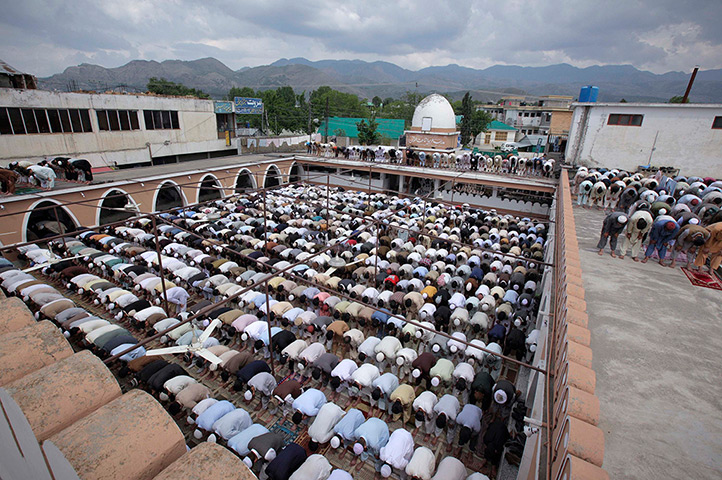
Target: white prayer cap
[
  {"x": 380, "y": 357},
  {"x": 500, "y": 397},
  {"x": 623, "y": 218},
  {"x": 248, "y": 462},
  {"x": 386, "y": 471},
  {"x": 248, "y": 395},
  {"x": 335, "y": 442},
  {"x": 358, "y": 448},
  {"x": 435, "y": 382},
  {"x": 270, "y": 455},
  {"x": 416, "y": 373}
]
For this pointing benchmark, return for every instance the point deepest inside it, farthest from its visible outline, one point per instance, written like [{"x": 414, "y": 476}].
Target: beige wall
[
  {"x": 197, "y": 132},
  {"x": 143, "y": 191},
  {"x": 561, "y": 123}
]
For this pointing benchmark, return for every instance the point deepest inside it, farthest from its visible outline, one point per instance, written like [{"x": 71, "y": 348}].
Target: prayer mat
[{"x": 703, "y": 279}]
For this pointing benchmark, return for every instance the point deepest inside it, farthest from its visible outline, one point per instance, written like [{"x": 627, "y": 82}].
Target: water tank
[{"x": 588, "y": 94}]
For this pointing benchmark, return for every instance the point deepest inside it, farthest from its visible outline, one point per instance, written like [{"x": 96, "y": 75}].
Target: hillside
[{"x": 385, "y": 79}]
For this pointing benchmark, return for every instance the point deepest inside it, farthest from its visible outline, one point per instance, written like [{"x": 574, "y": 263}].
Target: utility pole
[
  {"x": 309, "y": 116},
  {"x": 685, "y": 99},
  {"x": 325, "y": 129}
]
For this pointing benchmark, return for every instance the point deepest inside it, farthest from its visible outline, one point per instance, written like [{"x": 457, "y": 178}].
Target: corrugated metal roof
[
  {"x": 497, "y": 125},
  {"x": 8, "y": 70},
  {"x": 391, "y": 128}
]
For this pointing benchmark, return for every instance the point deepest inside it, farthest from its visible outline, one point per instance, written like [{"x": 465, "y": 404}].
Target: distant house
[
  {"x": 496, "y": 134},
  {"x": 12, "y": 78},
  {"x": 391, "y": 128}
]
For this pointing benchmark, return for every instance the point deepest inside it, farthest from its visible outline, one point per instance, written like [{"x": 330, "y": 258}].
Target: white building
[
  {"x": 627, "y": 135},
  {"x": 110, "y": 129}
]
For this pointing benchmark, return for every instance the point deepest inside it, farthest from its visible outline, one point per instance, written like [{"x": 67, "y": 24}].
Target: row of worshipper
[
  {"x": 151, "y": 282},
  {"x": 45, "y": 172},
  {"x": 689, "y": 223},
  {"x": 618, "y": 190},
  {"x": 422, "y": 300},
  {"x": 324, "y": 366},
  {"x": 467, "y": 160},
  {"x": 171, "y": 378}
]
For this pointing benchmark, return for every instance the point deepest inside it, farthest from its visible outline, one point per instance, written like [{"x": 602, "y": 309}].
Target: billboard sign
[
  {"x": 223, "y": 107},
  {"x": 246, "y": 105}
]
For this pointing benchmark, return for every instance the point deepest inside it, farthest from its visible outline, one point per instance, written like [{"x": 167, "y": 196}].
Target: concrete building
[
  {"x": 110, "y": 130},
  {"x": 627, "y": 135},
  {"x": 534, "y": 119},
  {"x": 497, "y": 134}
]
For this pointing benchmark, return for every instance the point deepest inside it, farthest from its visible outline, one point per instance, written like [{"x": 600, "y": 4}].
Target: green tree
[
  {"x": 368, "y": 131},
  {"x": 387, "y": 101},
  {"x": 240, "y": 92},
  {"x": 467, "y": 110},
  {"x": 479, "y": 121},
  {"x": 678, "y": 99},
  {"x": 624, "y": 100},
  {"x": 339, "y": 132},
  {"x": 161, "y": 86},
  {"x": 458, "y": 106},
  {"x": 377, "y": 101}
]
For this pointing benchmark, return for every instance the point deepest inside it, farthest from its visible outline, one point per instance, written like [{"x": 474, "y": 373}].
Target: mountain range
[{"x": 368, "y": 79}]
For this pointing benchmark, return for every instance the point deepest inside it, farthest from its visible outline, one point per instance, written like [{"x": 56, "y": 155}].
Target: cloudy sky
[{"x": 46, "y": 36}]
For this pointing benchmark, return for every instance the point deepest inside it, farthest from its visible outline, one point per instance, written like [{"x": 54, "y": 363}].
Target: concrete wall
[
  {"x": 685, "y": 138},
  {"x": 197, "y": 132}
]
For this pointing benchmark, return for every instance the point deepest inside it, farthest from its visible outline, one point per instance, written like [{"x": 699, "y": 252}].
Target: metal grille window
[
  {"x": 625, "y": 120},
  {"x": 117, "y": 120},
  {"x": 22, "y": 121},
  {"x": 161, "y": 119}
]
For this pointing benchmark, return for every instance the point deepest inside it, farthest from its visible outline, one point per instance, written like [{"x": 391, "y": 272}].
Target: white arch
[
  {"x": 278, "y": 174},
  {"x": 250, "y": 174},
  {"x": 107, "y": 192},
  {"x": 26, "y": 218},
  {"x": 218, "y": 183},
  {"x": 184, "y": 200},
  {"x": 300, "y": 172}
]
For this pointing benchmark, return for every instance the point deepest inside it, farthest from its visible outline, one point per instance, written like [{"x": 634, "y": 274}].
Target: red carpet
[{"x": 703, "y": 279}]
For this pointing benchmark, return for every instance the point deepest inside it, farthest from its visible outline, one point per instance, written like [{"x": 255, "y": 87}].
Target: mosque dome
[{"x": 436, "y": 108}]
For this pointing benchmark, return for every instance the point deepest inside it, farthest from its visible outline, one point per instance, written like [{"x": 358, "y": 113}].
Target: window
[
  {"x": 717, "y": 123},
  {"x": 161, "y": 119},
  {"x": 626, "y": 120},
  {"x": 21, "y": 121},
  {"x": 487, "y": 138},
  {"x": 500, "y": 136},
  {"x": 117, "y": 120}
]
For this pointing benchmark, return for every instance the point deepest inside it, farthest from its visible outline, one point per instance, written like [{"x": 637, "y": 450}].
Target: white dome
[{"x": 438, "y": 109}]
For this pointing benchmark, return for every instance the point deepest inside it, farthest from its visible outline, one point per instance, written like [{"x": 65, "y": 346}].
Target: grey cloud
[{"x": 45, "y": 36}]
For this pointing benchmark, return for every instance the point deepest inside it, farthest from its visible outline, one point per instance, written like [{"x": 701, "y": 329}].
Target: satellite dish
[{"x": 196, "y": 346}]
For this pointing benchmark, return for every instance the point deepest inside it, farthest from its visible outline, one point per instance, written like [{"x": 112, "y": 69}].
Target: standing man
[
  {"x": 638, "y": 226},
  {"x": 613, "y": 225}
]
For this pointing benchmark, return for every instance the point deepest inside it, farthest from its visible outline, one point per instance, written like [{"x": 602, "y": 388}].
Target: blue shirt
[
  {"x": 346, "y": 427},
  {"x": 232, "y": 423},
  {"x": 239, "y": 442},
  {"x": 206, "y": 419},
  {"x": 310, "y": 402},
  {"x": 376, "y": 433}
]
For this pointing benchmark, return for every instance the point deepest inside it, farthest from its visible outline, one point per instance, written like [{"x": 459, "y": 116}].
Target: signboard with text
[
  {"x": 246, "y": 105},
  {"x": 223, "y": 107}
]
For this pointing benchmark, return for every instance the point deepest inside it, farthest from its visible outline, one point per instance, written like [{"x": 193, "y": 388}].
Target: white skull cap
[{"x": 623, "y": 218}]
